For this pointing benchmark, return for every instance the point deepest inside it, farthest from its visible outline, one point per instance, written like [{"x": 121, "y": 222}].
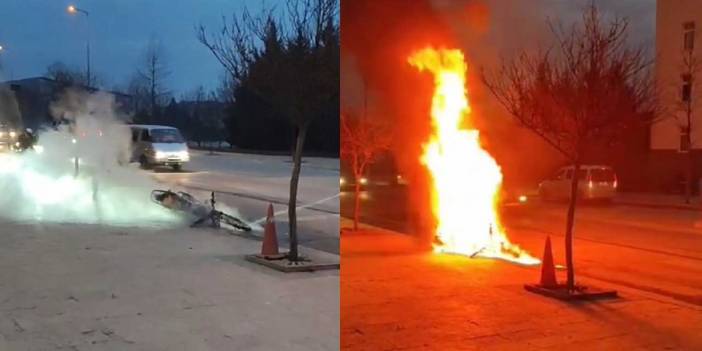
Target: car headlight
[
  {"x": 364, "y": 180},
  {"x": 342, "y": 181},
  {"x": 160, "y": 154},
  {"x": 13, "y": 134},
  {"x": 184, "y": 155}
]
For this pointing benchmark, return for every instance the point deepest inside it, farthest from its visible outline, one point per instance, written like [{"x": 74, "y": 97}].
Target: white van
[
  {"x": 154, "y": 145},
  {"x": 594, "y": 182}
]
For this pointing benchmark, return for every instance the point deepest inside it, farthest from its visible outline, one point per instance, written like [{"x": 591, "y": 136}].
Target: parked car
[
  {"x": 595, "y": 182},
  {"x": 154, "y": 145}
]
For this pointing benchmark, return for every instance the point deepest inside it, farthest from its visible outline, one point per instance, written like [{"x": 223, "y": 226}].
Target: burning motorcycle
[{"x": 184, "y": 202}]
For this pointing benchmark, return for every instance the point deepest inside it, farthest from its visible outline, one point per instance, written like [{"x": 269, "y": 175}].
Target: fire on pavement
[{"x": 466, "y": 178}]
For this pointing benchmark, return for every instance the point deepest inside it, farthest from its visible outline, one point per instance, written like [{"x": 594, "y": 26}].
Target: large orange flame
[{"x": 466, "y": 179}]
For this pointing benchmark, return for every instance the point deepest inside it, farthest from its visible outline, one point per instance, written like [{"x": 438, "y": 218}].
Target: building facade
[{"x": 677, "y": 135}]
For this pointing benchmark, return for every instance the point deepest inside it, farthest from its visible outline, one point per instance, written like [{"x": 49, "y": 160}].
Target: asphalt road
[
  {"x": 247, "y": 184},
  {"x": 385, "y": 206},
  {"x": 654, "y": 250}
]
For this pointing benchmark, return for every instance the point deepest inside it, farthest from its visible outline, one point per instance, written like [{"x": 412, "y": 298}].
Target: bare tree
[
  {"x": 198, "y": 95},
  {"x": 69, "y": 76},
  {"x": 153, "y": 73},
  {"x": 235, "y": 46},
  {"x": 588, "y": 89},
  {"x": 363, "y": 139},
  {"x": 62, "y": 74},
  {"x": 293, "y": 81},
  {"x": 137, "y": 88}
]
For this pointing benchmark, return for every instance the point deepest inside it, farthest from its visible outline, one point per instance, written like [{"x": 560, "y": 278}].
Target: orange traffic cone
[
  {"x": 270, "y": 238},
  {"x": 548, "y": 271}
]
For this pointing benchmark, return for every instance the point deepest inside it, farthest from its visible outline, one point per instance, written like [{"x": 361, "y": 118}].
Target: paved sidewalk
[
  {"x": 395, "y": 296},
  {"x": 73, "y": 287}
]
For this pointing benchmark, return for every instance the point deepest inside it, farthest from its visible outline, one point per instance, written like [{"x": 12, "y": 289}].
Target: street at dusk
[
  {"x": 145, "y": 287},
  {"x": 652, "y": 249},
  {"x": 657, "y": 250},
  {"x": 521, "y": 176},
  {"x": 169, "y": 175},
  {"x": 395, "y": 296},
  {"x": 513, "y": 175},
  {"x": 249, "y": 183}
]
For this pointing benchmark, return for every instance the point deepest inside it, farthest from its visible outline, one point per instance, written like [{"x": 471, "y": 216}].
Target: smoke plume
[
  {"x": 48, "y": 186},
  {"x": 379, "y": 35}
]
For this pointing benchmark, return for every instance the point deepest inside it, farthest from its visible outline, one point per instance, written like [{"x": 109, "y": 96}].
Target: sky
[{"x": 36, "y": 33}]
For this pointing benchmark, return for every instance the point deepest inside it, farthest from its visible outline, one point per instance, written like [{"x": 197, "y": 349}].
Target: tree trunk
[
  {"x": 688, "y": 178},
  {"x": 292, "y": 204},
  {"x": 295, "y": 134},
  {"x": 357, "y": 203},
  {"x": 569, "y": 227}
]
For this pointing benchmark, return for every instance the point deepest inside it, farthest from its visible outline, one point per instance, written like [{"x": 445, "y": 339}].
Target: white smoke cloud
[{"x": 46, "y": 187}]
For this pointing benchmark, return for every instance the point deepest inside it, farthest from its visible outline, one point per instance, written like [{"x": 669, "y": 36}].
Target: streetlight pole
[{"x": 73, "y": 10}]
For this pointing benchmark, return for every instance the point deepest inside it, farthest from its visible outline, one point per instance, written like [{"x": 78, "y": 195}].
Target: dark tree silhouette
[
  {"x": 290, "y": 79},
  {"x": 151, "y": 77},
  {"x": 588, "y": 89},
  {"x": 67, "y": 76}
]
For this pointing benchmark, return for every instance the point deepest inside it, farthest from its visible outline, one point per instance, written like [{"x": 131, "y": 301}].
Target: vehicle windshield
[
  {"x": 166, "y": 136},
  {"x": 602, "y": 175}
]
